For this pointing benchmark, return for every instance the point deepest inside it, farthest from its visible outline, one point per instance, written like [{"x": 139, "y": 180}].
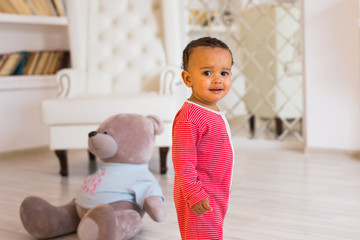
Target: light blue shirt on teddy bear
[{"x": 119, "y": 182}]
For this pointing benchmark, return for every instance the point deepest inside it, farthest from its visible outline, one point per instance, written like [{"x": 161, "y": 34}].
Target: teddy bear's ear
[{"x": 158, "y": 124}]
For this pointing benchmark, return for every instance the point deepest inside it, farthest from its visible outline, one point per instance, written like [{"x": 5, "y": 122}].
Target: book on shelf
[
  {"x": 64, "y": 61},
  {"x": 47, "y": 7},
  {"x": 34, "y": 7},
  {"x": 46, "y": 69},
  {"x": 30, "y": 64},
  {"x": 3, "y": 58},
  {"x": 40, "y": 65},
  {"x": 20, "y": 68},
  {"x": 33, "y": 63},
  {"x": 59, "y": 7},
  {"x": 11, "y": 63},
  {"x": 6, "y": 7},
  {"x": 60, "y": 60},
  {"x": 55, "y": 64},
  {"x": 20, "y": 7}
]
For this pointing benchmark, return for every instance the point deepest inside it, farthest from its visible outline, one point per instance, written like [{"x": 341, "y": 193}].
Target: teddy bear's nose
[{"x": 93, "y": 133}]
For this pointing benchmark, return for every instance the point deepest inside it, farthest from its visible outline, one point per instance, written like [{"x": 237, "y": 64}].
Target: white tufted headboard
[{"x": 120, "y": 45}]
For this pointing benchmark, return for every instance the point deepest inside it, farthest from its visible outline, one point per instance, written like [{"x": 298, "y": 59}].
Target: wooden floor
[{"x": 276, "y": 195}]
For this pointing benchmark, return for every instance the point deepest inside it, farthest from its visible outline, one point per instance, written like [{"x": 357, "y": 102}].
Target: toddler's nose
[{"x": 216, "y": 79}]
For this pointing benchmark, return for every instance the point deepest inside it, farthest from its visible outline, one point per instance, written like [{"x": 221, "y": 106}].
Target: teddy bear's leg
[
  {"x": 154, "y": 206},
  {"x": 43, "y": 220},
  {"x": 103, "y": 222}
]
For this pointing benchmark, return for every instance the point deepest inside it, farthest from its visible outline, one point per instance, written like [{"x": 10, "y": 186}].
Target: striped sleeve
[{"x": 185, "y": 140}]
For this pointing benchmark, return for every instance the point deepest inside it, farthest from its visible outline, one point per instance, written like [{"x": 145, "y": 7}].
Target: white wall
[
  {"x": 332, "y": 74},
  {"x": 20, "y": 118}
]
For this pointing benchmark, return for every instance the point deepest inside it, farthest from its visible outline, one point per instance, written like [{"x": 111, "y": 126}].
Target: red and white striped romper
[{"x": 202, "y": 155}]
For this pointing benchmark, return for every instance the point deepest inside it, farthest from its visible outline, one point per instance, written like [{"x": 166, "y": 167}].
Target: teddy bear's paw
[
  {"x": 154, "y": 206},
  {"x": 98, "y": 223},
  {"x": 102, "y": 222},
  {"x": 128, "y": 223},
  {"x": 89, "y": 230},
  {"x": 43, "y": 220}
]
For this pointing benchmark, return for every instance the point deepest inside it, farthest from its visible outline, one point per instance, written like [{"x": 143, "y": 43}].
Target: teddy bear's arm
[{"x": 148, "y": 195}]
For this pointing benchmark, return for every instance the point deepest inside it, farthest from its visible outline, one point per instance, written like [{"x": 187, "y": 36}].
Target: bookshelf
[
  {"x": 21, "y": 95},
  {"x": 31, "y": 33}
]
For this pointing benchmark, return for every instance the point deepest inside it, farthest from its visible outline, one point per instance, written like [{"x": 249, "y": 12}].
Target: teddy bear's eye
[{"x": 105, "y": 132}]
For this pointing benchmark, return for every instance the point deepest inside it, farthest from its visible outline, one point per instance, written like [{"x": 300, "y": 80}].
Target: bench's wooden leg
[
  {"x": 279, "y": 126},
  {"x": 163, "y": 154},
  {"x": 62, "y": 156},
  {"x": 252, "y": 124}
]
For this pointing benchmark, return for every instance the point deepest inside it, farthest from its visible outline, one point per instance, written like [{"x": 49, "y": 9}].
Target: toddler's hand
[{"x": 202, "y": 207}]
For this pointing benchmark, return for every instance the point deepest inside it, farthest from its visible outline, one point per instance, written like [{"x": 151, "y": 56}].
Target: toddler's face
[{"x": 209, "y": 75}]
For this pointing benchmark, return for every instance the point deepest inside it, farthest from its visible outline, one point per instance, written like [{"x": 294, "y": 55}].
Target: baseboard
[
  {"x": 261, "y": 143},
  {"x": 318, "y": 150},
  {"x": 273, "y": 144},
  {"x": 23, "y": 151}
]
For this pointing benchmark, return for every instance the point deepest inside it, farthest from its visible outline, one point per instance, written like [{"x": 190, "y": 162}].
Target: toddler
[{"x": 202, "y": 151}]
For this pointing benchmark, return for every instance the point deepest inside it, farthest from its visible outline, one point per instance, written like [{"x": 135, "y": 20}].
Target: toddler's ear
[
  {"x": 158, "y": 124},
  {"x": 186, "y": 78}
]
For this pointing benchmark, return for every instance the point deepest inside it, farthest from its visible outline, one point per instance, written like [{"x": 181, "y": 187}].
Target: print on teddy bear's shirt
[{"x": 92, "y": 182}]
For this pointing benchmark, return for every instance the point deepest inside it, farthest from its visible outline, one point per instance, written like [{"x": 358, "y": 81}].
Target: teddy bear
[{"x": 111, "y": 203}]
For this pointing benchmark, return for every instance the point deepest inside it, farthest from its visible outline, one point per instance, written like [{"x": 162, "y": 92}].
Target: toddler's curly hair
[{"x": 203, "y": 42}]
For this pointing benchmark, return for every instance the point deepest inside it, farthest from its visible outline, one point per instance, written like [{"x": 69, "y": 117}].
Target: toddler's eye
[
  {"x": 224, "y": 73},
  {"x": 207, "y": 73}
]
